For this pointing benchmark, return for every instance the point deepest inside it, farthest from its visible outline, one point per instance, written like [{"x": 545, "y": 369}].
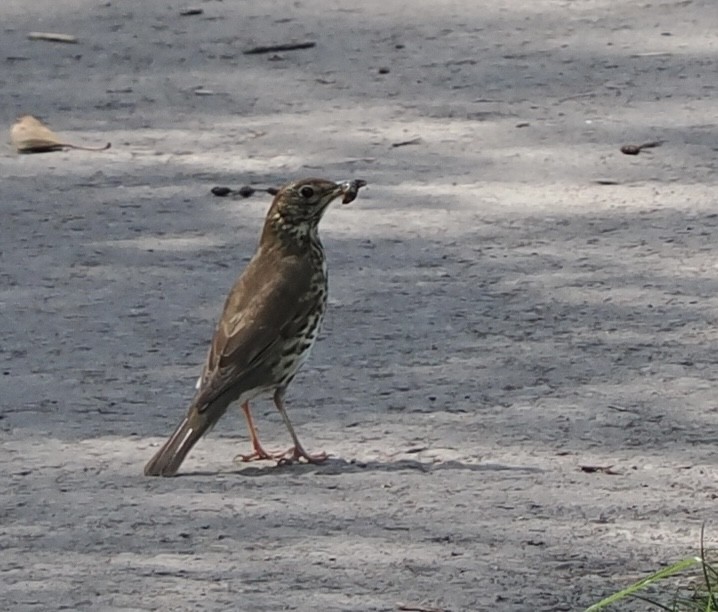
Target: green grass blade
[
  {"x": 645, "y": 582},
  {"x": 655, "y": 604}
]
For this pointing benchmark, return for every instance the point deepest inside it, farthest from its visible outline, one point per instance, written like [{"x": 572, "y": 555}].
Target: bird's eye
[{"x": 306, "y": 192}]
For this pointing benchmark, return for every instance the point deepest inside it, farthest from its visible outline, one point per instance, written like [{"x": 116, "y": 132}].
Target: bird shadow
[{"x": 335, "y": 466}]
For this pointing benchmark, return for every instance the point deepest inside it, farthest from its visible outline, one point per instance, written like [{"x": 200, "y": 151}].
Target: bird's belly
[{"x": 296, "y": 354}]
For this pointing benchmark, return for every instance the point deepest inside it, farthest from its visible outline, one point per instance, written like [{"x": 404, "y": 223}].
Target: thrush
[{"x": 270, "y": 321}]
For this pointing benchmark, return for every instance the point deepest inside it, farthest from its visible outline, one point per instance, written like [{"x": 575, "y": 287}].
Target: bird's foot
[
  {"x": 297, "y": 453},
  {"x": 259, "y": 454}
]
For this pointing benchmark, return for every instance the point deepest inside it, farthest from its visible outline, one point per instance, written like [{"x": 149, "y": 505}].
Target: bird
[{"x": 270, "y": 321}]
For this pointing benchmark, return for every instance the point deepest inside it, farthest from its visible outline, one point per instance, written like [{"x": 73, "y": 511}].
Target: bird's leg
[
  {"x": 298, "y": 452},
  {"x": 258, "y": 451}
]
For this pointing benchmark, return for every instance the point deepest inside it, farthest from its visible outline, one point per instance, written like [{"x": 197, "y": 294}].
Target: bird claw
[
  {"x": 294, "y": 455},
  {"x": 288, "y": 457},
  {"x": 260, "y": 455}
]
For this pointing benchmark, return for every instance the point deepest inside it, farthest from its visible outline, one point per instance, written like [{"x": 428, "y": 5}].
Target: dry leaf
[
  {"x": 52, "y": 37},
  {"x": 30, "y": 135}
]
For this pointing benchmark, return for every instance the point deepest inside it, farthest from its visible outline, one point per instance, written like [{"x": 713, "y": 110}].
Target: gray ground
[{"x": 498, "y": 318}]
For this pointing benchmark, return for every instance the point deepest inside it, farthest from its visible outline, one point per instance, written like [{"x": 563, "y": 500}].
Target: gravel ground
[{"x": 513, "y": 301}]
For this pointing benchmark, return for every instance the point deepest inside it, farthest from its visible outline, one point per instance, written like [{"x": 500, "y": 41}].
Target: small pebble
[{"x": 221, "y": 191}]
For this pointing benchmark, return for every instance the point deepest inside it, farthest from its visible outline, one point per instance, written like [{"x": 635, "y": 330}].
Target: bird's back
[{"x": 270, "y": 321}]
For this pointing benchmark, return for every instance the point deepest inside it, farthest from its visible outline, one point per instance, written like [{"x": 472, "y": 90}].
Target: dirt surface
[{"x": 511, "y": 299}]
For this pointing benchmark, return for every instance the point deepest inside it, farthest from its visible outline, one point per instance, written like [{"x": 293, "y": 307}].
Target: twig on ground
[
  {"x": 631, "y": 149},
  {"x": 245, "y": 191},
  {"x": 603, "y": 469},
  {"x": 418, "y": 608},
  {"x": 283, "y": 47},
  {"x": 404, "y": 143}
]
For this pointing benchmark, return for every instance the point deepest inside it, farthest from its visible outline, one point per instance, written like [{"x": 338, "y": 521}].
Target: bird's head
[{"x": 299, "y": 206}]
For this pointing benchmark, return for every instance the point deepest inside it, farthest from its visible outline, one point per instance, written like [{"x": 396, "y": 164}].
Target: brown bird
[{"x": 269, "y": 324}]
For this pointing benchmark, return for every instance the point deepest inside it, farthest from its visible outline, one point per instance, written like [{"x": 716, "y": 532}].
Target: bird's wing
[{"x": 264, "y": 307}]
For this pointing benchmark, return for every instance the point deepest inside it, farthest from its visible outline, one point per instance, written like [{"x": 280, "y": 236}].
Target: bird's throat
[{"x": 290, "y": 234}]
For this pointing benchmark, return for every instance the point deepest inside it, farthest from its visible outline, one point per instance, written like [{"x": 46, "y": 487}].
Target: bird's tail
[{"x": 168, "y": 459}]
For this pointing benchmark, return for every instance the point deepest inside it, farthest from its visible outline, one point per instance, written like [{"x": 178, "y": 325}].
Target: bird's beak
[
  {"x": 350, "y": 189},
  {"x": 341, "y": 189}
]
